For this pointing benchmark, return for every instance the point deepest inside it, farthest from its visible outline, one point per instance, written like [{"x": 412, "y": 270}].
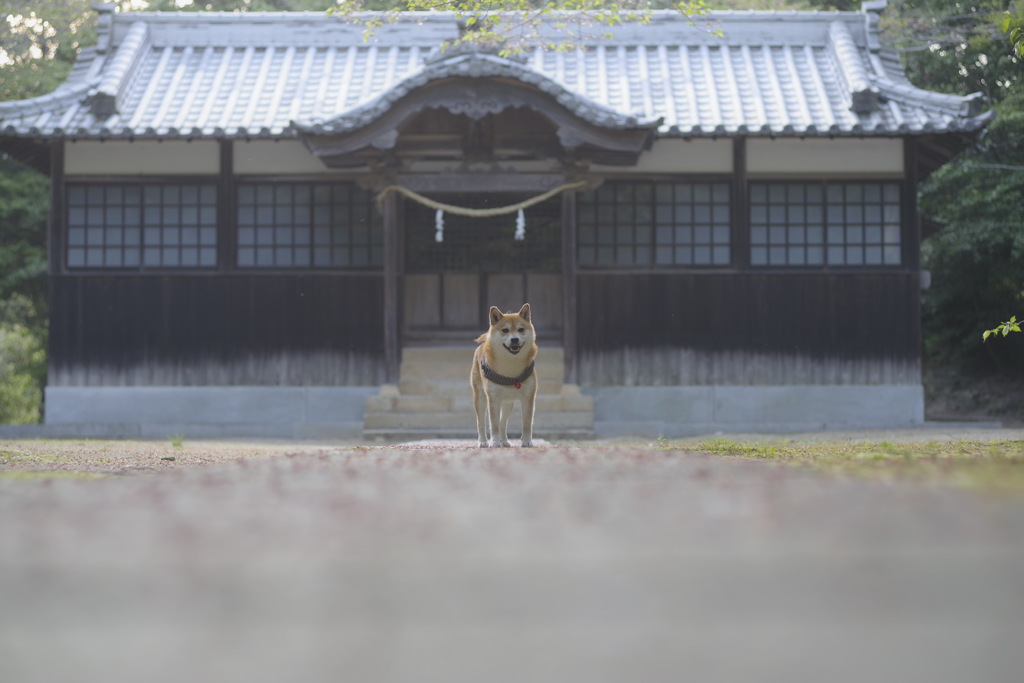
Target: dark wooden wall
[
  {"x": 749, "y": 328},
  {"x": 252, "y": 329}
]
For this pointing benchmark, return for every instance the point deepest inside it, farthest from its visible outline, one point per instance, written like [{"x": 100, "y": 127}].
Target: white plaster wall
[
  {"x": 270, "y": 157},
  {"x": 144, "y": 157},
  {"x": 832, "y": 156},
  {"x": 680, "y": 156}
]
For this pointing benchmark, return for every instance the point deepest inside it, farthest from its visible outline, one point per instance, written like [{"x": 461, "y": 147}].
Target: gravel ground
[{"x": 440, "y": 562}]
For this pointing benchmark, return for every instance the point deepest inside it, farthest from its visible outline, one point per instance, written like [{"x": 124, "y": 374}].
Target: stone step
[
  {"x": 398, "y": 435},
  {"x": 411, "y": 404},
  {"x": 446, "y": 387},
  {"x": 461, "y": 371},
  {"x": 543, "y": 423},
  {"x": 548, "y": 403},
  {"x": 433, "y": 399},
  {"x": 464, "y": 354}
]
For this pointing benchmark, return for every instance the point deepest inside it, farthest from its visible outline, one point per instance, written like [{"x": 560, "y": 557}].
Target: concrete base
[
  {"x": 692, "y": 410},
  {"x": 338, "y": 412},
  {"x": 159, "y": 412}
]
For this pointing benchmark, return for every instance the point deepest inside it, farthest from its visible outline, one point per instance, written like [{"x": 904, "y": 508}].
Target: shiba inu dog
[{"x": 503, "y": 373}]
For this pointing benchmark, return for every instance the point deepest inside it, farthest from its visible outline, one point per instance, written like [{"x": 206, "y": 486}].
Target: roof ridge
[
  {"x": 850, "y": 67},
  {"x": 105, "y": 98}
]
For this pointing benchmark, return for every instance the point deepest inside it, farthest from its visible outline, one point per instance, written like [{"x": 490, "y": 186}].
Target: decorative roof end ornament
[
  {"x": 104, "y": 25},
  {"x": 865, "y": 101}
]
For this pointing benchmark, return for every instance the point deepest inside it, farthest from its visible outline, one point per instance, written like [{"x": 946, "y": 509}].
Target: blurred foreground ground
[{"x": 440, "y": 562}]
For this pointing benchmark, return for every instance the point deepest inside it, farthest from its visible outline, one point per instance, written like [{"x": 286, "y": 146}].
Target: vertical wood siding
[
  {"x": 287, "y": 330},
  {"x": 749, "y": 328}
]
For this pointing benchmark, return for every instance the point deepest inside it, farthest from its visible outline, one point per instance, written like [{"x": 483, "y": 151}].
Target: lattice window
[
  {"x": 141, "y": 225},
  {"x": 630, "y": 224},
  {"x": 825, "y": 223},
  {"x": 308, "y": 225}
]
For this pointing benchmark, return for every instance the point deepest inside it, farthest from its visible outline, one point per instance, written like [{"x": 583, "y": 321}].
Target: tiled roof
[{"x": 210, "y": 75}]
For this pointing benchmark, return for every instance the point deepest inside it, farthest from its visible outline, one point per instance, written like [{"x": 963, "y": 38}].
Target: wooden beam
[{"x": 480, "y": 182}]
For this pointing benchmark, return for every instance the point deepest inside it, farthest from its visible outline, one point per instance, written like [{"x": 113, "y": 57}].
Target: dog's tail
[{"x": 481, "y": 339}]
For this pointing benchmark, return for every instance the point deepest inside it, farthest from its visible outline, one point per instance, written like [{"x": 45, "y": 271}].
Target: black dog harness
[{"x": 504, "y": 381}]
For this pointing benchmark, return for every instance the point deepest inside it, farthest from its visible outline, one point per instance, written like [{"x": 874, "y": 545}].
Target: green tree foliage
[
  {"x": 979, "y": 196},
  {"x": 239, "y": 5},
  {"x": 1005, "y": 328},
  {"x": 40, "y": 41},
  {"x": 510, "y": 26},
  {"x": 22, "y": 362},
  {"x": 954, "y": 47},
  {"x": 24, "y": 199},
  {"x": 1013, "y": 27},
  {"x": 24, "y": 202},
  {"x": 976, "y": 258}
]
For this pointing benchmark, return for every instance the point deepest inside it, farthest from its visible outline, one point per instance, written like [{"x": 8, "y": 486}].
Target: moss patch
[
  {"x": 986, "y": 465},
  {"x": 48, "y": 474}
]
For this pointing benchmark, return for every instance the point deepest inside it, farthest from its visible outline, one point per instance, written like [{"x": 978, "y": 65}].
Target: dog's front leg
[
  {"x": 480, "y": 406},
  {"x": 495, "y": 408},
  {"x": 506, "y": 412},
  {"x": 528, "y": 403}
]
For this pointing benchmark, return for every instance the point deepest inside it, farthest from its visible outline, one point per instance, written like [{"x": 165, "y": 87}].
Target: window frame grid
[
  {"x": 854, "y": 230},
  {"x": 292, "y": 216},
  {"x": 646, "y": 246},
  {"x": 90, "y": 238}
]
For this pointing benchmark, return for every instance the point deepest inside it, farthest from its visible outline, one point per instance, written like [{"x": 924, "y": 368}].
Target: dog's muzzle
[{"x": 513, "y": 346}]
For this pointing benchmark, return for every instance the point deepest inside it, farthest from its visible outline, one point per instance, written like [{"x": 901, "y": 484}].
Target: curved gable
[{"x": 477, "y": 85}]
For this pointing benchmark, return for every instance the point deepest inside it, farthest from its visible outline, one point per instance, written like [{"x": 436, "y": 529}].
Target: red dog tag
[{"x": 519, "y": 385}]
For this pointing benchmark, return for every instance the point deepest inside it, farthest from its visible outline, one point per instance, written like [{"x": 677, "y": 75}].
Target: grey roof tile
[{"x": 272, "y": 74}]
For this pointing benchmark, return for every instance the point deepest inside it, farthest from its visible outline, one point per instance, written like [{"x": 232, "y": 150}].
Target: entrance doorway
[{"x": 448, "y": 286}]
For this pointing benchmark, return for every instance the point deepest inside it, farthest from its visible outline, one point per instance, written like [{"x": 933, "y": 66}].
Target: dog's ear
[
  {"x": 495, "y": 314},
  {"x": 524, "y": 312}
]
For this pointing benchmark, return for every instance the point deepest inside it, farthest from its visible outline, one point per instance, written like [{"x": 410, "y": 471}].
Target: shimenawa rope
[{"x": 480, "y": 213}]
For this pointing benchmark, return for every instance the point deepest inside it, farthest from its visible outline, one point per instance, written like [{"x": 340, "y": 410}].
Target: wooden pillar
[
  {"x": 740, "y": 208},
  {"x": 910, "y": 238},
  {"x": 55, "y": 232},
  {"x": 55, "y": 222},
  {"x": 227, "y": 230},
  {"x": 569, "y": 285},
  {"x": 392, "y": 281},
  {"x": 911, "y": 222}
]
